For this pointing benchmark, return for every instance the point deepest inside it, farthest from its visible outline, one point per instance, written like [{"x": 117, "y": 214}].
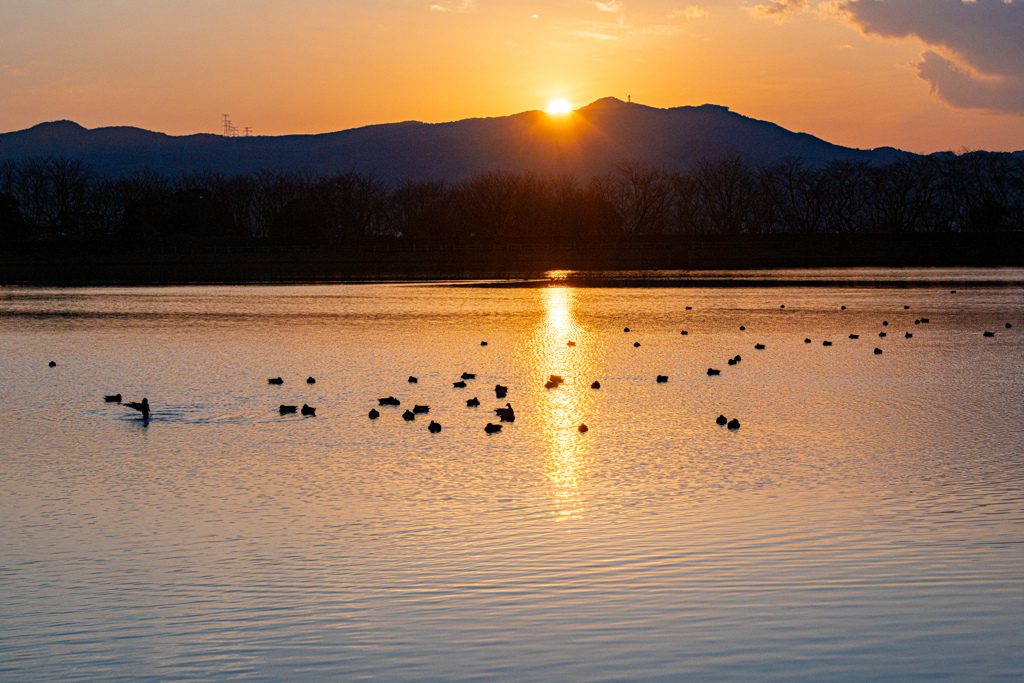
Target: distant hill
[{"x": 594, "y": 139}]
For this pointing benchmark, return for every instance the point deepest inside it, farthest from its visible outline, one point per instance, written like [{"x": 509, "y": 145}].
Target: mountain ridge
[{"x": 595, "y": 138}]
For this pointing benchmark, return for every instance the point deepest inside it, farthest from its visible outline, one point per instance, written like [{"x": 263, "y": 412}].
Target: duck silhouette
[
  {"x": 53, "y": 363},
  {"x": 142, "y": 407},
  {"x": 283, "y": 409},
  {"x": 584, "y": 429},
  {"x": 275, "y": 380},
  {"x": 459, "y": 385},
  {"x": 116, "y": 398},
  {"x": 733, "y": 424},
  {"x": 408, "y": 415},
  {"x": 500, "y": 391},
  {"x": 389, "y": 401},
  {"x": 374, "y": 414},
  {"x": 420, "y": 409},
  {"x": 684, "y": 332},
  {"x": 826, "y": 343},
  {"x": 625, "y": 329},
  {"x": 881, "y": 334},
  {"x": 492, "y": 429},
  {"x": 473, "y": 402},
  {"x": 807, "y": 341},
  {"x": 662, "y": 379},
  {"x": 989, "y": 334},
  {"x": 468, "y": 375},
  {"x": 1008, "y": 325},
  {"x": 878, "y": 351},
  {"x": 759, "y": 347},
  {"x": 908, "y": 336},
  {"x": 310, "y": 380},
  {"x": 483, "y": 343},
  {"x": 712, "y": 371},
  {"x": 732, "y": 361},
  {"x": 722, "y": 419},
  {"x": 506, "y": 414},
  {"x": 413, "y": 380},
  {"x": 571, "y": 343},
  {"x": 595, "y": 385},
  {"x": 636, "y": 345},
  {"x": 308, "y": 410},
  {"x": 434, "y": 427},
  {"x": 854, "y": 336}
]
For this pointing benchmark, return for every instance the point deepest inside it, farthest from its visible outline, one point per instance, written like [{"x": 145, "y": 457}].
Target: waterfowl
[
  {"x": 408, "y": 415},
  {"x": 389, "y": 401},
  {"x": 712, "y": 371},
  {"x": 500, "y": 391},
  {"x": 595, "y": 385},
  {"x": 310, "y": 380},
  {"x": 584, "y": 429},
  {"x": 782, "y": 306},
  {"x": 468, "y": 375},
  {"x": 878, "y": 351},
  {"x": 625, "y": 329},
  {"x": 952, "y": 291},
  {"x": 1008, "y": 325},
  {"x": 550, "y": 385},
  {"x": 759, "y": 347},
  {"x": 807, "y": 341},
  {"x": 884, "y": 323},
  {"x": 733, "y": 424},
  {"x": 459, "y": 385},
  {"x": 742, "y": 328},
  {"x": 854, "y": 336},
  {"x": 917, "y": 322},
  {"x": 491, "y": 429},
  {"x": 374, "y": 414},
  {"x": 826, "y": 343},
  {"x": 737, "y": 358},
  {"x": 473, "y": 402},
  {"x": 53, "y": 363},
  {"x": 434, "y": 427},
  {"x": 689, "y": 308},
  {"x": 842, "y": 308},
  {"x": 483, "y": 343},
  {"x": 990, "y": 334},
  {"x": 571, "y": 343},
  {"x": 925, "y": 320},
  {"x": 722, "y": 419},
  {"x": 636, "y": 344},
  {"x": 881, "y": 334},
  {"x": 732, "y": 361},
  {"x": 283, "y": 409},
  {"x": 906, "y": 308},
  {"x": 413, "y": 380},
  {"x": 557, "y": 379},
  {"x": 308, "y": 410},
  {"x": 116, "y": 398},
  {"x": 506, "y": 414},
  {"x": 662, "y": 379},
  {"x": 684, "y": 332},
  {"x": 908, "y": 336},
  {"x": 141, "y": 407},
  {"x": 420, "y": 409},
  {"x": 275, "y": 380}
]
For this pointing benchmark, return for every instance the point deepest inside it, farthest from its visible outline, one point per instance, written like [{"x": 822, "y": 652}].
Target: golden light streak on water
[{"x": 563, "y": 409}]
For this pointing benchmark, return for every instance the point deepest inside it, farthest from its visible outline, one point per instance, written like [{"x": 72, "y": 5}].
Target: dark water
[{"x": 865, "y": 522}]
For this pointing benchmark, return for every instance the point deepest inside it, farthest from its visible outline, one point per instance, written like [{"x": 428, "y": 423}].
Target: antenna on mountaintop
[
  {"x": 629, "y": 99},
  {"x": 229, "y": 129},
  {"x": 247, "y": 131}
]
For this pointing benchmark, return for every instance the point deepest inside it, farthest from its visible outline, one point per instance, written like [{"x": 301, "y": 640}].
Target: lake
[{"x": 866, "y": 521}]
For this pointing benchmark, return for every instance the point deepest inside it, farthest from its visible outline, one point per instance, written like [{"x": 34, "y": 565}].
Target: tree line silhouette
[{"x": 52, "y": 201}]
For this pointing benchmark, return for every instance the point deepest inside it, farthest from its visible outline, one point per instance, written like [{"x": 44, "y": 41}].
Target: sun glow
[{"x": 559, "y": 107}]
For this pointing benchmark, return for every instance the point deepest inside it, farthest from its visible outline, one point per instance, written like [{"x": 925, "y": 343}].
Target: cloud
[
  {"x": 779, "y": 10},
  {"x": 611, "y": 6},
  {"x": 691, "y": 13},
  {"x": 976, "y": 58},
  {"x": 463, "y": 7}
]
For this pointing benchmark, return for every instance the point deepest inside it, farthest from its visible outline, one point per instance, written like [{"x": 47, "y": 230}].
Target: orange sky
[{"x": 921, "y": 75}]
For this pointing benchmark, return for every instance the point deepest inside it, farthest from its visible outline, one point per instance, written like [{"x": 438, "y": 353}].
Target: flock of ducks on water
[{"x": 507, "y": 413}]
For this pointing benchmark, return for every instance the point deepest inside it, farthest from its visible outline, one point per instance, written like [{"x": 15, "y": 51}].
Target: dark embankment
[{"x": 376, "y": 259}]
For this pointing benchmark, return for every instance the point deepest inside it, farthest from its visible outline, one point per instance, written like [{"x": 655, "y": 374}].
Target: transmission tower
[
  {"x": 247, "y": 131},
  {"x": 229, "y": 129}
]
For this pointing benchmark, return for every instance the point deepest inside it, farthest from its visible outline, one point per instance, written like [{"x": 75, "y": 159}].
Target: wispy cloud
[
  {"x": 611, "y": 6},
  {"x": 462, "y": 7},
  {"x": 691, "y": 13},
  {"x": 779, "y": 10}
]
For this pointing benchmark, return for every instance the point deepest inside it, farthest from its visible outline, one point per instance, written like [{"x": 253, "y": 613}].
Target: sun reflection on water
[{"x": 562, "y": 410}]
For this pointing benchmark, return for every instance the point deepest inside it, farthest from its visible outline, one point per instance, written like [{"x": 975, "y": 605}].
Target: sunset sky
[{"x": 921, "y": 75}]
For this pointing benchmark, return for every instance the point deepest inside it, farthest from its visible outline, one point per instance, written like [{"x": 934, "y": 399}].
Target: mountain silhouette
[{"x": 593, "y": 139}]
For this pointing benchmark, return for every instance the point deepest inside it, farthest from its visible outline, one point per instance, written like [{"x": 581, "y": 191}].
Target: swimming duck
[
  {"x": 662, "y": 379},
  {"x": 722, "y": 419},
  {"x": 408, "y": 415},
  {"x": 689, "y": 308},
  {"x": 571, "y": 343},
  {"x": 625, "y": 329},
  {"x": 491, "y": 429},
  {"x": 742, "y": 328},
  {"x": 732, "y": 361},
  {"x": 908, "y": 336},
  {"x": 141, "y": 407},
  {"x": 737, "y": 358},
  {"x": 990, "y": 334},
  {"x": 712, "y": 371},
  {"x": 584, "y": 429},
  {"x": 374, "y": 414},
  {"x": 684, "y": 332},
  {"x": 310, "y": 380},
  {"x": 506, "y": 414},
  {"x": 636, "y": 345},
  {"x": 275, "y": 380},
  {"x": 500, "y": 391},
  {"x": 759, "y": 347},
  {"x": 283, "y": 409},
  {"x": 53, "y": 363},
  {"x": 878, "y": 351},
  {"x": 807, "y": 341},
  {"x": 483, "y": 343},
  {"x": 420, "y": 409},
  {"x": 116, "y": 398},
  {"x": 881, "y": 334},
  {"x": 826, "y": 343},
  {"x": 473, "y": 402},
  {"x": 459, "y": 385},
  {"x": 733, "y": 424},
  {"x": 389, "y": 401},
  {"x": 308, "y": 410},
  {"x": 854, "y": 336},
  {"x": 884, "y": 323},
  {"x": 1008, "y": 325},
  {"x": 468, "y": 375},
  {"x": 413, "y": 380},
  {"x": 595, "y": 385},
  {"x": 434, "y": 427}
]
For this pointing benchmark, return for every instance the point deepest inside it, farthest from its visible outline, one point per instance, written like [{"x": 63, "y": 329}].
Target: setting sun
[{"x": 559, "y": 107}]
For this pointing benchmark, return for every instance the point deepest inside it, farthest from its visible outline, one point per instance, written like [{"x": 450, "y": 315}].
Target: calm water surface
[{"x": 865, "y": 522}]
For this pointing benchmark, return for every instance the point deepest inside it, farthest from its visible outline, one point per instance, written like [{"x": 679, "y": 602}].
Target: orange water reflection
[{"x": 561, "y": 411}]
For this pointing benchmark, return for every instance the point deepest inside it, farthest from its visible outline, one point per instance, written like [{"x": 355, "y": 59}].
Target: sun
[{"x": 559, "y": 107}]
